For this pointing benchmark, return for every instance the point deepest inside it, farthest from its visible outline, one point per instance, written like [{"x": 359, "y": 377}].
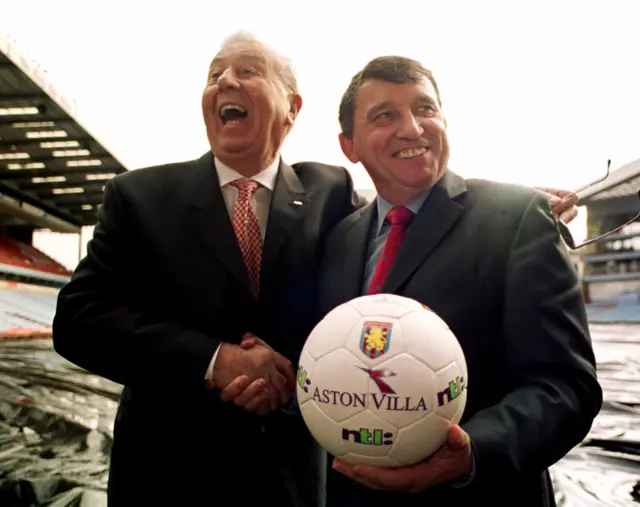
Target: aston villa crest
[{"x": 375, "y": 338}]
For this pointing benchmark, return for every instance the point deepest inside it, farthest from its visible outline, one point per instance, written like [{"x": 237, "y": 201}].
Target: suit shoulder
[
  {"x": 325, "y": 173},
  {"x": 509, "y": 196},
  {"x": 148, "y": 186},
  {"x": 152, "y": 175}
]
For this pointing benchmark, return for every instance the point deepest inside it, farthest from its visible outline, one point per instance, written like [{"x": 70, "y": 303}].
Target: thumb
[
  {"x": 248, "y": 341},
  {"x": 254, "y": 340},
  {"x": 457, "y": 438}
]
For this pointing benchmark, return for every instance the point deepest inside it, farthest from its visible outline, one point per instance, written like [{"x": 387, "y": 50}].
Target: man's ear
[
  {"x": 347, "y": 145},
  {"x": 294, "y": 109}
]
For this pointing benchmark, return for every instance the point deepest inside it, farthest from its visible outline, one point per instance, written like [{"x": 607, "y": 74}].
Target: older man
[
  {"x": 487, "y": 258},
  {"x": 185, "y": 259}
]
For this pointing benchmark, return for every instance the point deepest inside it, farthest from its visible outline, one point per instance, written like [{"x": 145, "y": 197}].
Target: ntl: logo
[{"x": 366, "y": 436}]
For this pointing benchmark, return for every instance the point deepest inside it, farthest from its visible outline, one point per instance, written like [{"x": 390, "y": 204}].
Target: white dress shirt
[{"x": 260, "y": 204}]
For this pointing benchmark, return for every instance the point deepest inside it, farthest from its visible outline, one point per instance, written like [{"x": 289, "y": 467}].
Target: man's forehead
[
  {"x": 376, "y": 91},
  {"x": 244, "y": 49}
]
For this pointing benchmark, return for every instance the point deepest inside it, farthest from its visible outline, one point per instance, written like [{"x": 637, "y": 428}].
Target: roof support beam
[
  {"x": 27, "y": 174},
  {"x": 35, "y": 143}
]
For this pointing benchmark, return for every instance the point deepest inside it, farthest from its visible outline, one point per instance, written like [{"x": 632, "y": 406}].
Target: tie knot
[
  {"x": 399, "y": 216},
  {"x": 246, "y": 188}
]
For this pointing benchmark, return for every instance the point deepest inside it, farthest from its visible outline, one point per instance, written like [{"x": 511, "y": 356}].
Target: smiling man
[
  {"x": 185, "y": 259},
  {"x": 488, "y": 259}
]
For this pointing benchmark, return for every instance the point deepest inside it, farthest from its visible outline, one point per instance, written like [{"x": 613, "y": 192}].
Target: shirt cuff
[{"x": 209, "y": 374}]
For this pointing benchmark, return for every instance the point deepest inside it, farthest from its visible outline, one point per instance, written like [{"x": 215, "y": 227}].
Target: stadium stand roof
[
  {"x": 623, "y": 182},
  {"x": 52, "y": 170}
]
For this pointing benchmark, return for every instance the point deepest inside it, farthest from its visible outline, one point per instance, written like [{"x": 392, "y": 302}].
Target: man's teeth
[
  {"x": 411, "y": 152},
  {"x": 236, "y": 107}
]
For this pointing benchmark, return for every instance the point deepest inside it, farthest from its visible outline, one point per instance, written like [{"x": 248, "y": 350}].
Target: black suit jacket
[
  {"x": 488, "y": 259},
  {"x": 163, "y": 283}
]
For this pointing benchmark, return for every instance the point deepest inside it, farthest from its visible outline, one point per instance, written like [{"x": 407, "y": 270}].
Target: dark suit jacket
[
  {"x": 488, "y": 259},
  {"x": 163, "y": 283}
]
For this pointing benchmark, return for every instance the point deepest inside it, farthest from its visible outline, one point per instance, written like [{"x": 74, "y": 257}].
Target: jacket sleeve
[
  {"x": 554, "y": 394},
  {"x": 353, "y": 199},
  {"x": 102, "y": 326}
]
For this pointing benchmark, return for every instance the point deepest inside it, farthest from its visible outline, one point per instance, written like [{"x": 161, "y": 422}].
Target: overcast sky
[{"x": 538, "y": 93}]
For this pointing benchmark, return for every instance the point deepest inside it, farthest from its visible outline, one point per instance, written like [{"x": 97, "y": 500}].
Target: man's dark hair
[{"x": 393, "y": 69}]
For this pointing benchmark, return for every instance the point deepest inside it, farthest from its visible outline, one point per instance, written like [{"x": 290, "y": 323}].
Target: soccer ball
[{"x": 380, "y": 380}]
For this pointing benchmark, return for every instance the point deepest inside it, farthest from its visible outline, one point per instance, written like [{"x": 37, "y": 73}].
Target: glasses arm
[{"x": 606, "y": 175}]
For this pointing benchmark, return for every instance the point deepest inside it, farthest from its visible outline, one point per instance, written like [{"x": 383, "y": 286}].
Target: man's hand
[
  {"x": 255, "y": 394},
  {"x": 255, "y": 377},
  {"x": 452, "y": 461},
  {"x": 563, "y": 203}
]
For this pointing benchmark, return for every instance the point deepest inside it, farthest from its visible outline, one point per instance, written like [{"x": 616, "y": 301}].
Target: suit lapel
[
  {"x": 210, "y": 222},
  {"x": 434, "y": 220},
  {"x": 355, "y": 252},
  {"x": 288, "y": 205}
]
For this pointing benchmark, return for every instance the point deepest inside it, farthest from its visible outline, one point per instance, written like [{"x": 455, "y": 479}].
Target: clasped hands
[
  {"x": 253, "y": 375},
  {"x": 259, "y": 379}
]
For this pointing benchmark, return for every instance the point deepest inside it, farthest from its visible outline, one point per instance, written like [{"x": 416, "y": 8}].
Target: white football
[{"x": 380, "y": 380}]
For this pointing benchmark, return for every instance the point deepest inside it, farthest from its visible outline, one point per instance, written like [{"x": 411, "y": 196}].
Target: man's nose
[
  {"x": 410, "y": 127},
  {"x": 228, "y": 79}
]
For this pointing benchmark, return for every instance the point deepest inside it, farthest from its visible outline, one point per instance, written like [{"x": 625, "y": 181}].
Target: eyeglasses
[{"x": 566, "y": 234}]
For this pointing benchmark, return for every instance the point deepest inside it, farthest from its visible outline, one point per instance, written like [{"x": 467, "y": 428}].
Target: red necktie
[
  {"x": 399, "y": 218},
  {"x": 245, "y": 225}
]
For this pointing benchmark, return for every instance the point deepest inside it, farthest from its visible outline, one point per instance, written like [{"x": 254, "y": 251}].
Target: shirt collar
[
  {"x": 384, "y": 207},
  {"x": 266, "y": 177}
]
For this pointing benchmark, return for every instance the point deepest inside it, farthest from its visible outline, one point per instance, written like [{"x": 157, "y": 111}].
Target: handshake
[{"x": 253, "y": 375}]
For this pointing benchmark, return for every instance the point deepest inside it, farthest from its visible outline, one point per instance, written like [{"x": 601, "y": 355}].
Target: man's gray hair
[{"x": 283, "y": 65}]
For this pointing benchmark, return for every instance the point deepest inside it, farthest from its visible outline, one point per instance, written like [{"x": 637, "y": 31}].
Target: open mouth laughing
[{"x": 232, "y": 113}]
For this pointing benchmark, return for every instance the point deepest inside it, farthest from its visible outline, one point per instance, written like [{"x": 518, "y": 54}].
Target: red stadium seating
[{"x": 15, "y": 253}]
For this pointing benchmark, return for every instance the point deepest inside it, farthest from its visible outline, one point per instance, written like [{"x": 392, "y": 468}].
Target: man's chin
[
  {"x": 417, "y": 180},
  {"x": 235, "y": 144}
]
